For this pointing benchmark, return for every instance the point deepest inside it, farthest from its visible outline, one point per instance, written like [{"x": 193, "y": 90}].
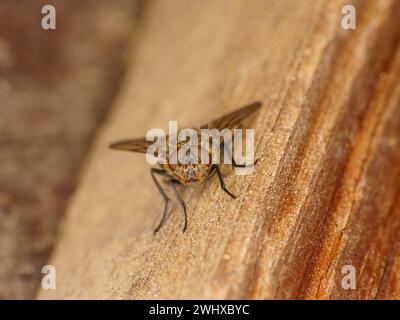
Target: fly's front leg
[
  {"x": 235, "y": 165},
  {"x": 221, "y": 180},
  {"x": 172, "y": 184},
  {"x": 161, "y": 172}
]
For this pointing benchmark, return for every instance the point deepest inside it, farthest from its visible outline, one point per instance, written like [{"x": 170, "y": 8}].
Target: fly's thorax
[{"x": 189, "y": 163}]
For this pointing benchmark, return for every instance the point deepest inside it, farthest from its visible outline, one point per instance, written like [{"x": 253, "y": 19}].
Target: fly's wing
[
  {"x": 234, "y": 119},
  {"x": 135, "y": 145}
]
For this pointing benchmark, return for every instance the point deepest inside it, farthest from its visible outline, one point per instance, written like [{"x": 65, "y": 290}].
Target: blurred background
[
  {"x": 326, "y": 194},
  {"x": 55, "y": 90}
]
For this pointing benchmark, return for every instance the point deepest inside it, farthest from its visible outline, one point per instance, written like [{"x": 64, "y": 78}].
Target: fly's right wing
[{"x": 233, "y": 119}]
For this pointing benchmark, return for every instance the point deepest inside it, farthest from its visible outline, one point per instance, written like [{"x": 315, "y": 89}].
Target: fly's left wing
[{"x": 135, "y": 145}]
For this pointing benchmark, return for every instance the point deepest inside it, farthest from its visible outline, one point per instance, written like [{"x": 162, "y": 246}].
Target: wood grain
[{"x": 325, "y": 193}]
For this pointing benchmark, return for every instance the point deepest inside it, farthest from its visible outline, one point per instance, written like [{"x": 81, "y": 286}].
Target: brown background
[
  {"x": 55, "y": 89},
  {"x": 324, "y": 194}
]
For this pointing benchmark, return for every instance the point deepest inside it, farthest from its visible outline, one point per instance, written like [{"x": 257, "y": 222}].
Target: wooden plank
[{"x": 325, "y": 193}]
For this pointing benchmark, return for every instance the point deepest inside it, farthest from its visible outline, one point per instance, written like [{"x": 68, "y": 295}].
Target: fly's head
[{"x": 189, "y": 163}]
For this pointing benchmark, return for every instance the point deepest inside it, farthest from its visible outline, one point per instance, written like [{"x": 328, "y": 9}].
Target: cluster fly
[{"x": 189, "y": 169}]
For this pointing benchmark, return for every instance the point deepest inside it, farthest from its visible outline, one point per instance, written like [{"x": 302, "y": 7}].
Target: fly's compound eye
[
  {"x": 173, "y": 160},
  {"x": 189, "y": 155},
  {"x": 203, "y": 156},
  {"x": 193, "y": 155}
]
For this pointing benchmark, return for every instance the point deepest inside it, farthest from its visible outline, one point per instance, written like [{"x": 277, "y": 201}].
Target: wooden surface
[{"x": 325, "y": 193}]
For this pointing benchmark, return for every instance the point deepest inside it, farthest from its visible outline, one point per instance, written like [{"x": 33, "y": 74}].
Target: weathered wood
[{"x": 325, "y": 193}]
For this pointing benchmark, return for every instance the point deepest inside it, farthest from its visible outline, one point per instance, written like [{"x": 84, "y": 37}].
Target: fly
[{"x": 189, "y": 170}]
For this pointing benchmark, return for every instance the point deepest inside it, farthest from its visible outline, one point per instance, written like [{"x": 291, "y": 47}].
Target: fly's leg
[
  {"x": 221, "y": 180},
  {"x": 178, "y": 196},
  {"x": 235, "y": 165},
  {"x": 161, "y": 172}
]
